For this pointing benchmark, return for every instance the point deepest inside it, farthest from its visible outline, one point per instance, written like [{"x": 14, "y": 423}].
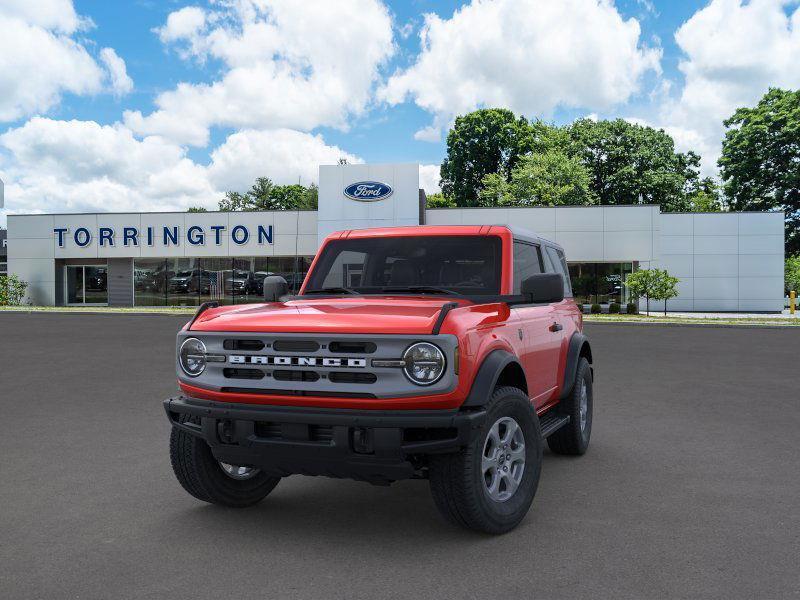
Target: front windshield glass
[{"x": 468, "y": 265}]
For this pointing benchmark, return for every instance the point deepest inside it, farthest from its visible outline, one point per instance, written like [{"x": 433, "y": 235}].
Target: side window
[
  {"x": 527, "y": 262},
  {"x": 560, "y": 266}
]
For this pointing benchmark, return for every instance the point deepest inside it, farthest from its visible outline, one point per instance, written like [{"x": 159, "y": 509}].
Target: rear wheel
[
  {"x": 573, "y": 438},
  {"x": 489, "y": 485},
  {"x": 210, "y": 480}
]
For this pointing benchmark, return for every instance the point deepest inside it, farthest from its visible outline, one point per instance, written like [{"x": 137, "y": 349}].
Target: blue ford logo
[{"x": 368, "y": 191}]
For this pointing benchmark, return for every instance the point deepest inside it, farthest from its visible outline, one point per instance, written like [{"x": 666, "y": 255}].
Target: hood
[{"x": 384, "y": 314}]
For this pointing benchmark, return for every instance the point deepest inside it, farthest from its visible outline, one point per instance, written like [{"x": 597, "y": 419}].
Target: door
[
  {"x": 86, "y": 284},
  {"x": 74, "y": 281},
  {"x": 540, "y": 340},
  {"x": 565, "y": 313}
]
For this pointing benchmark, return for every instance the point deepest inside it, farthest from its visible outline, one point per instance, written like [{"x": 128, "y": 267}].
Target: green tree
[
  {"x": 485, "y": 141},
  {"x": 706, "y": 196},
  {"x": 656, "y": 284},
  {"x": 197, "y": 209},
  {"x": 287, "y": 197},
  {"x": 548, "y": 179},
  {"x": 791, "y": 277},
  {"x": 234, "y": 201},
  {"x": 643, "y": 284},
  {"x": 265, "y": 195},
  {"x": 495, "y": 190},
  {"x": 760, "y": 162},
  {"x": 666, "y": 287},
  {"x": 627, "y": 161},
  {"x": 12, "y": 290},
  {"x": 259, "y": 197},
  {"x": 439, "y": 200},
  {"x": 311, "y": 201}
]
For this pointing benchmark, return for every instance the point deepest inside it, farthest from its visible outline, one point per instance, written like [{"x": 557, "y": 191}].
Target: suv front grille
[
  {"x": 325, "y": 365},
  {"x": 352, "y": 377}
]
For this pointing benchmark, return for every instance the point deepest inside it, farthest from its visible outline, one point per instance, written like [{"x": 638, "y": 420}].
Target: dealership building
[{"x": 725, "y": 261}]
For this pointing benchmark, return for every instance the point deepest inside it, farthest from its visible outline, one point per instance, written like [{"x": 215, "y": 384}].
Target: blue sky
[
  {"x": 145, "y": 104},
  {"x": 127, "y": 26}
]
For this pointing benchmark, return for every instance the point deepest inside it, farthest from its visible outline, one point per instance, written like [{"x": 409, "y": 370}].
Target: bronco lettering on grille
[{"x": 298, "y": 361}]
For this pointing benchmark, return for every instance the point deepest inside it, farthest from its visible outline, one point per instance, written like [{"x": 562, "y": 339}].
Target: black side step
[{"x": 551, "y": 422}]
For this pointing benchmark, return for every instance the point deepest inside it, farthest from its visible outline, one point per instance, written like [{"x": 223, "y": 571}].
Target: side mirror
[
  {"x": 275, "y": 286},
  {"x": 544, "y": 288}
]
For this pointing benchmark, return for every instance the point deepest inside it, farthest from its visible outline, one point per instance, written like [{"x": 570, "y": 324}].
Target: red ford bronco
[{"x": 448, "y": 353}]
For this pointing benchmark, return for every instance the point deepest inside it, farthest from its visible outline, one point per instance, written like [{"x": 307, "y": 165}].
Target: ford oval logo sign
[{"x": 368, "y": 191}]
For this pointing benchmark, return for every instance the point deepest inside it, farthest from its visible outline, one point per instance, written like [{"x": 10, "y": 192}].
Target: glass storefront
[
  {"x": 87, "y": 284},
  {"x": 600, "y": 283},
  {"x": 192, "y": 281}
]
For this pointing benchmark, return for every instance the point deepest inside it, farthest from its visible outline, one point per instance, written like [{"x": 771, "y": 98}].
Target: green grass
[{"x": 654, "y": 318}]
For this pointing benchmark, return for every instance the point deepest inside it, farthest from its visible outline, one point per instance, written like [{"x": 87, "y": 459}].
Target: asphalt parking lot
[{"x": 691, "y": 487}]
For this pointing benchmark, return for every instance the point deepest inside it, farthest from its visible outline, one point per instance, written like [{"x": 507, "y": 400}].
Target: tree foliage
[
  {"x": 439, "y": 200},
  {"x": 548, "y": 179},
  {"x": 631, "y": 164},
  {"x": 792, "y": 274},
  {"x": 625, "y": 163},
  {"x": 706, "y": 196},
  {"x": 666, "y": 287},
  {"x": 485, "y": 141},
  {"x": 655, "y": 284},
  {"x": 265, "y": 195},
  {"x": 12, "y": 290},
  {"x": 760, "y": 162}
]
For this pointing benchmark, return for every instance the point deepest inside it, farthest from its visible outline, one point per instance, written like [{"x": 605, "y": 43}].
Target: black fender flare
[
  {"x": 577, "y": 343},
  {"x": 486, "y": 379}
]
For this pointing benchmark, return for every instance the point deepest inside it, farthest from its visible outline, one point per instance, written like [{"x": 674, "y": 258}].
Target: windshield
[{"x": 468, "y": 265}]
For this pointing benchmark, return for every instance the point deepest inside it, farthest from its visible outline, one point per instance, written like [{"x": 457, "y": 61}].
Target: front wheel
[
  {"x": 210, "y": 480},
  {"x": 489, "y": 485}
]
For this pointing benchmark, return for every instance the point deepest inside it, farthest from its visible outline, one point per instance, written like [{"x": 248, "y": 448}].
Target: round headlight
[
  {"x": 192, "y": 357},
  {"x": 424, "y": 363}
]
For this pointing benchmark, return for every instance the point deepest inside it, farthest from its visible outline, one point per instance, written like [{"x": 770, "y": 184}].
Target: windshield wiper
[
  {"x": 331, "y": 290},
  {"x": 421, "y": 289}
]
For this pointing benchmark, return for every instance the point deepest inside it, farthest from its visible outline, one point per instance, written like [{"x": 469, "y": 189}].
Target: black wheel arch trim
[
  {"x": 577, "y": 343},
  {"x": 488, "y": 373}
]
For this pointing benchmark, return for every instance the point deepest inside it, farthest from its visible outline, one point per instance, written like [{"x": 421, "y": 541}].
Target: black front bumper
[{"x": 376, "y": 446}]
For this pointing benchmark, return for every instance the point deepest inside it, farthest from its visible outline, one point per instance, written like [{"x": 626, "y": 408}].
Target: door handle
[{"x": 556, "y": 327}]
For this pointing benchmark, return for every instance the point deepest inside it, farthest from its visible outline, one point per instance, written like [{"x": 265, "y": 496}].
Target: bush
[
  {"x": 596, "y": 310},
  {"x": 12, "y": 290},
  {"x": 614, "y": 308},
  {"x": 632, "y": 308}
]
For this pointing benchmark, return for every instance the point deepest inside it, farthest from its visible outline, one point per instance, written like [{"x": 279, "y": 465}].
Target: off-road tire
[
  {"x": 572, "y": 438},
  {"x": 457, "y": 482},
  {"x": 201, "y": 475}
]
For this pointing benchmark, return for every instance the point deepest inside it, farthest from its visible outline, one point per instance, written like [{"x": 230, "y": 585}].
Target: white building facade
[{"x": 725, "y": 261}]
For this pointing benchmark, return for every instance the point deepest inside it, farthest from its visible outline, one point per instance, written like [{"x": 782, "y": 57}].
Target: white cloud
[
  {"x": 283, "y": 155},
  {"x": 41, "y": 58},
  {"x": 429, "y": 178},
  {"x": 734, "y": 51},
  {"x": 528, "y": 55},
  {"x": 184, "y": 24},
  {"x": 121, "y": 83},
  {"x": 58, "y": 15},
  {"x": 287, "y": 64},
  {"x": 73, "y": 166}
]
